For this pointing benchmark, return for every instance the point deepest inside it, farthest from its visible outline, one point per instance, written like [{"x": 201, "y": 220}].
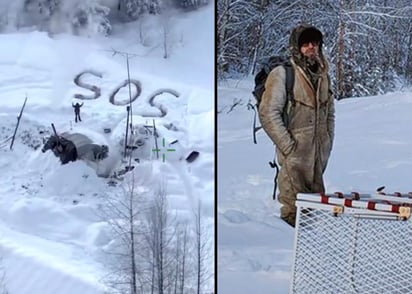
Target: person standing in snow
[
  {"x": 77, "y": 111},
  {"x": 304, "y": 134}
]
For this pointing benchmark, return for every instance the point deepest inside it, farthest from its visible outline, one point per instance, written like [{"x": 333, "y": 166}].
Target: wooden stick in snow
[{"x": 18, "y": 122}]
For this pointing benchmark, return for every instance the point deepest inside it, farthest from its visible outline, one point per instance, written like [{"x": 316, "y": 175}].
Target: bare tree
[
  {"x": 151, "y": 249},
  {"x": 202, "y": 250},
  {"x": 142, "y": 35},
  {"x": 181, "y": 253},
  {"x": 183, "y": 259},
  {"x": 123, "y": 211},
  {"x": 177, "y": 262},
  {"x": 160, "y": 231},
  {"x": 166, "y": 22}
]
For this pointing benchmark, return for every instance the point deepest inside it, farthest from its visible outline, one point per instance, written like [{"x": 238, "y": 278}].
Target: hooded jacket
[{"x": 303, "y": 137}]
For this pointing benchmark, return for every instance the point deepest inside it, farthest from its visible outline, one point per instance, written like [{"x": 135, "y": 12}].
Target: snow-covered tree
[
  {"x": 90, "y": 18},
  {"x": 5, "y": 12},
  {"x": 39, "y": 12},
  {"x": 134, "y": 9},
  {"x": 368, "y": 42},
  {"x": 44, "y": 8},
  {"x": 191, "y": 4},
  {"x": 82, "y": 17},
  {"x": 156, "y": 6}
]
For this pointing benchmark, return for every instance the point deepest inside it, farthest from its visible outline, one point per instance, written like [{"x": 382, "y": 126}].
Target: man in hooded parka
[
  {"x": 77, "y": 111},
  {"x": 304, "y": 134}
]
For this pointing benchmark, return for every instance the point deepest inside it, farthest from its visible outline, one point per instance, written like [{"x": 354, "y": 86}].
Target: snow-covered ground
[
  {"x": 51, "y": 236},
  {"x": 372, "y": 148}
]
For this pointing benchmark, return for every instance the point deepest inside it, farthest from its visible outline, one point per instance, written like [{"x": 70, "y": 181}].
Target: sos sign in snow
[{"x": 112, "y": 98}]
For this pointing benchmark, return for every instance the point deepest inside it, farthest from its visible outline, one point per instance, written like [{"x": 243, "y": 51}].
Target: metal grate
[{"x": 341, "y": 249}]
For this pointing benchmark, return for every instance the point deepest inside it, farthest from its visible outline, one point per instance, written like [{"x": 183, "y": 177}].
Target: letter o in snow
[{"x": 138, "y": 86}]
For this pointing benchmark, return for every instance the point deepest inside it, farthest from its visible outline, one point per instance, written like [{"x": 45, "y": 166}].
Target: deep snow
[
  {"x": 255, "y": 248},
  {"x": 51, "y": 236}
]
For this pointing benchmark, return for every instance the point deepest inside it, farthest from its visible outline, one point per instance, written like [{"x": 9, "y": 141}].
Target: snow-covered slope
[
  {"x": 255, "y": 248},
  {"x": 51, "y": 235}
]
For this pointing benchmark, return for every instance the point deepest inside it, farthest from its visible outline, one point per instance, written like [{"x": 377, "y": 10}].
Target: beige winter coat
[
  {"x": 310, "y": 123},
  {"x": 304, "y": 145}
]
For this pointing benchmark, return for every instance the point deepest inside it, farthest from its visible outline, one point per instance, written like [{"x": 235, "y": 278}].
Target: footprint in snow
[{"x": 236, "y": 216}]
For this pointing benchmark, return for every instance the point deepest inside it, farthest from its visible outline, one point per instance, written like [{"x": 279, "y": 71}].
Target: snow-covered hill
[
  {"x": 372, "y": 148},
  {"x": 52, "y": 238}
]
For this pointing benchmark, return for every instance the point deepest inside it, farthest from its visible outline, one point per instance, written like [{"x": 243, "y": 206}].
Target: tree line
[
  {"x": 368, "y": 42},
  {"x": 83, "y": 16}
]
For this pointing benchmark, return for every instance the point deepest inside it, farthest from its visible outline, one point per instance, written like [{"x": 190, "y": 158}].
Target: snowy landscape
[
  {"x": 59, "y": 224},
  {"x": 255, "y": 248}
]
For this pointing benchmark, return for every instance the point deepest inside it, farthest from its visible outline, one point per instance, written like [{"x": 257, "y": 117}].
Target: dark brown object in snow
[{"x": 192, "y": 156}]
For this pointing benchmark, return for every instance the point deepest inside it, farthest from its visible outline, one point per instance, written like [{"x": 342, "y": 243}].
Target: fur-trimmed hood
[{"x": 300, "y": 35}]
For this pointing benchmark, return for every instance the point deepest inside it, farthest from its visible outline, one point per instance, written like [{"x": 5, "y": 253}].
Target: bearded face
[
  {"x": 310, "y": 52},
  {"x": 310, "y": 49},
  {"x": 305, "y": 45}
]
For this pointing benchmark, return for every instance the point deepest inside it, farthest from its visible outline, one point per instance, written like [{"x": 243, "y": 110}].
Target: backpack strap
[
  {"x": 290, "y": 80},
  {"x": 290, "y": 98}
]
